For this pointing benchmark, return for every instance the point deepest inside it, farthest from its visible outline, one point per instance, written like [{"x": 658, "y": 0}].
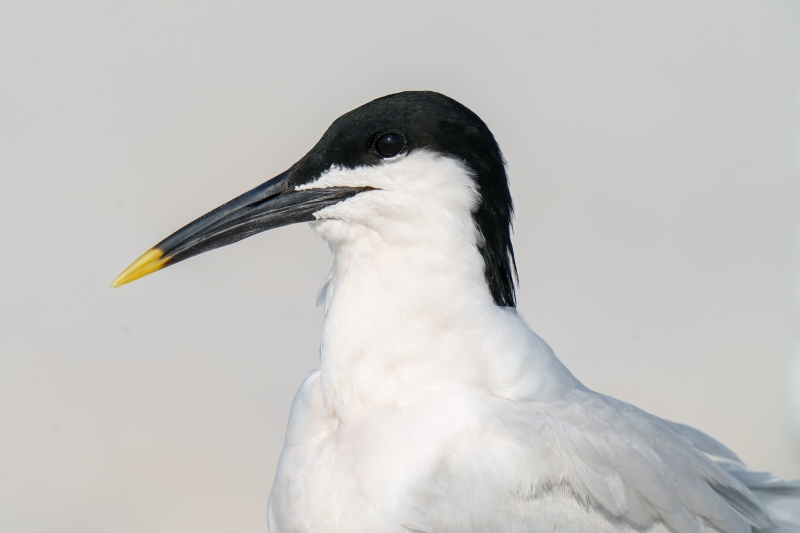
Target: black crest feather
[{"x": 438, "y": 123}]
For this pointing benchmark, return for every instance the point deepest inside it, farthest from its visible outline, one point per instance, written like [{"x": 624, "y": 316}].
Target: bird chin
[{"x": 337, "y": 232}]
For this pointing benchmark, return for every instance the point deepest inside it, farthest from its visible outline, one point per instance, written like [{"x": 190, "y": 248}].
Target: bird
[{"x": 436, "y": 408}]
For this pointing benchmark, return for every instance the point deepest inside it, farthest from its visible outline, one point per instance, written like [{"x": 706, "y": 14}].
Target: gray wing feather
[
  {"x": 779, "y": 498},
  {"x": 643, "y": 470}
]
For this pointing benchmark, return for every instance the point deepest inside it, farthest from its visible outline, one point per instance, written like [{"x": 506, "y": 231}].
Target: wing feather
[{"x": 637, "y": 467}]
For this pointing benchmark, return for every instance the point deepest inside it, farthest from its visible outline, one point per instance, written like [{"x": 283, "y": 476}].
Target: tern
[{"x": 436, "y": 408}]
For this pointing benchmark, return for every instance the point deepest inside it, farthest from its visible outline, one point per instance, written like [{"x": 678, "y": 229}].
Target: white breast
[{"x": 434, "y": 410}]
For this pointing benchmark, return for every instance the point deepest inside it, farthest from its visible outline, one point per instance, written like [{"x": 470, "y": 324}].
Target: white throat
[{"x": 406, "y": 305}]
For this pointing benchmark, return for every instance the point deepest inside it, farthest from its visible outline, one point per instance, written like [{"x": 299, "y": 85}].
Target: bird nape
[{"x": 435, "y": 407}]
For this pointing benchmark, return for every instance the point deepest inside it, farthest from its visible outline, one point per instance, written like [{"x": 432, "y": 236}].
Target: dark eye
[{"x": 390, "y": 144}]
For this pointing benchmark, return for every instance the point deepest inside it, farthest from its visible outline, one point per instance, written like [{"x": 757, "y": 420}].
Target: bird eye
[{"x": 390, "y": 144}]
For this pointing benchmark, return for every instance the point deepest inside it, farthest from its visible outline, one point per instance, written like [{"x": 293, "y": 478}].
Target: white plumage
[{"x": 434, "y": 410}]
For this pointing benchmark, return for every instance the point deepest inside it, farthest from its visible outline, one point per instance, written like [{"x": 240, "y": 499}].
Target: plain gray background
[{"x": 650, "y": 153}]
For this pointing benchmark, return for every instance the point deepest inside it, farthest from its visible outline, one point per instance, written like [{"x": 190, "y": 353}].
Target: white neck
[{"x": 406, "y": 305}]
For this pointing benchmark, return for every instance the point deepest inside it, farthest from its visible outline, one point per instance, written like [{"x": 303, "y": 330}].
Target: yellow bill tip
[{"x": 150, "y": 261}]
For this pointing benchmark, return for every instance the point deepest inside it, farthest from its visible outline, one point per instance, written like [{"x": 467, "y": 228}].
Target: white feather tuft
[{"x": 434, "y": 410}]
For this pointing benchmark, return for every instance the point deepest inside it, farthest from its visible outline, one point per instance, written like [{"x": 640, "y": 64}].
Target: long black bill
[{"x": 270, "y": 205}]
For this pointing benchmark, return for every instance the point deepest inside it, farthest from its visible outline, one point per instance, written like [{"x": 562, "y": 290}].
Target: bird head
[{"x": 405, "y": 167}]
